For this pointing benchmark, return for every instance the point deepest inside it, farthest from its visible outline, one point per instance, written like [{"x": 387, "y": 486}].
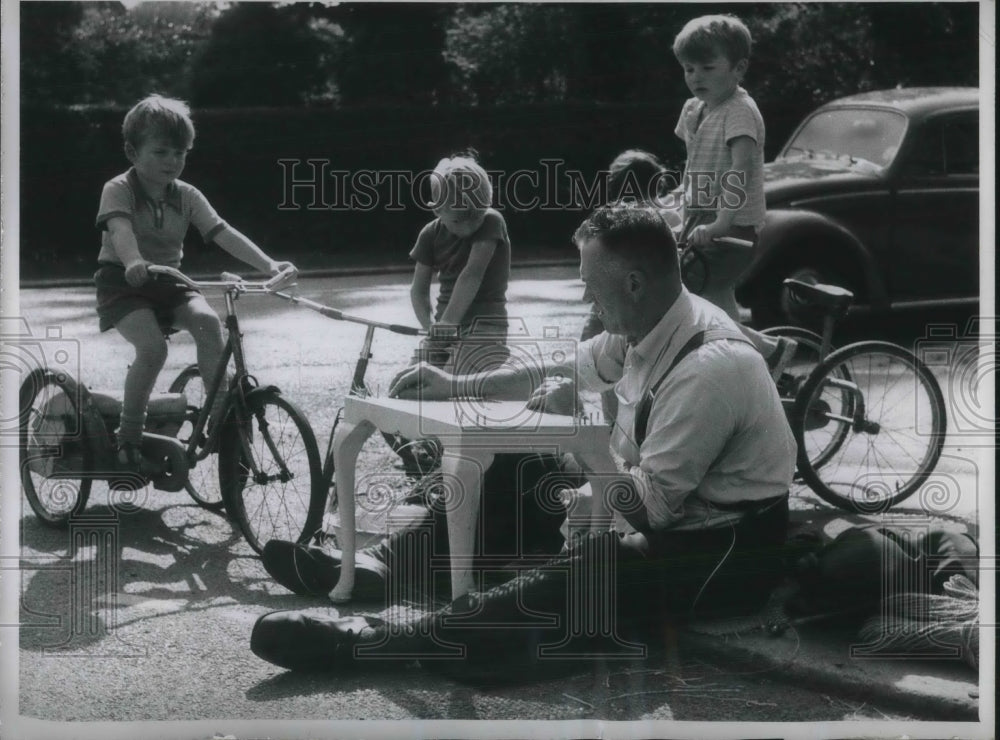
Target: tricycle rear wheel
[{"x": 55, "y": 459}]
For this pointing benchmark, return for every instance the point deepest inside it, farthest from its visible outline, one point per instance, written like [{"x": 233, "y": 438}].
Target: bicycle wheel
[
  {"x": 271, "y": 474},
  {"x": 203, "y": 483},
  {"x": 892, "y": 433},
  {"x": 807, "y": 357},
  {"x": 54, "y": 457},
  {"x": 694, "y": 270}
]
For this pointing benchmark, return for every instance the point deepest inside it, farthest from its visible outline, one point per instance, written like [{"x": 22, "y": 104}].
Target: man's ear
[
  {"x": 130, "y": 152},
  {"x": 635, "y": 284},
  {"x": 741, "y": 67}
]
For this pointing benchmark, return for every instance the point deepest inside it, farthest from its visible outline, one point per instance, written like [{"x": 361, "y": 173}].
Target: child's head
[
  {"x": 635, "y": 175},
  {"x": 156, "y": 117},
  {"x": 703, "y": 38},
  {"x": 461, "y": 193}
]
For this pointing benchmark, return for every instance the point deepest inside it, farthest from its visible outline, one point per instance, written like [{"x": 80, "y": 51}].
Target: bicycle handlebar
[
  {"x": 730, "y": 240},
  {"x": 336, "y": 313},
  {"x": 733, "y": 241},
  {"x": 227, "y": 280}
]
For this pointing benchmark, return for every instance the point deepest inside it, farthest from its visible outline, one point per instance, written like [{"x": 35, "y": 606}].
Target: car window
[
  {"x": 961, "y": 144},
  {"x": 852, "y": 134},
  {"x": 926, "y": 158},
  {"x": 945, "y": 145}
]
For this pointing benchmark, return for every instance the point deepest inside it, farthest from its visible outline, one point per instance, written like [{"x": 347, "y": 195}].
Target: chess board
[{"x": 470, "y": 418}]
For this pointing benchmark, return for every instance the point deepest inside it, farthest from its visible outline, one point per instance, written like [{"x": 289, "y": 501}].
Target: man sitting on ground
[{"x": 700, "y": 511}]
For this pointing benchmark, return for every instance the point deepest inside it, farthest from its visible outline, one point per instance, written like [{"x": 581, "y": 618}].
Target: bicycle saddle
[
  {"x": 109, "y": 403},
  {"x": 818, "y": 294}
]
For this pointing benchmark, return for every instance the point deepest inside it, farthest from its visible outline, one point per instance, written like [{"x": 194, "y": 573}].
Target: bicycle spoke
[{"x": 885, "y": 453}]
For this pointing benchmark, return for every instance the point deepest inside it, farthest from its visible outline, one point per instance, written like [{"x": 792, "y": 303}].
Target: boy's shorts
[{"x": 116, "y": 299}]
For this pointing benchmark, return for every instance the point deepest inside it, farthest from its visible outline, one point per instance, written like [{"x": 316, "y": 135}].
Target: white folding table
[{"x": 471, "y": 432}]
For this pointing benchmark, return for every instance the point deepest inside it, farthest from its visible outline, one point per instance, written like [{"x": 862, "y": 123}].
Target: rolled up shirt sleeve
[
  {"x": 203, "y": 216},
  {"x": 116, "y": 201},
  {"x": 600, "y": 361},
  {"x": 689, "y": 424}
]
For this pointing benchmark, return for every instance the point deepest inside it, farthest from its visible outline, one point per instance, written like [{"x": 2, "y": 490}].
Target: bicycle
[
  {"x": 869, "y": 418},
  {"x": 694, "y": 265},
  {"x": 358, "y": 387},
  {"x": 262, "y": 451}
]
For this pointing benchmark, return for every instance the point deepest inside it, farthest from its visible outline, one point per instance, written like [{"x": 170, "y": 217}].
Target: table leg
[
  {"x": 462, "y": 473},
  {"x": 347, "y": 443}
]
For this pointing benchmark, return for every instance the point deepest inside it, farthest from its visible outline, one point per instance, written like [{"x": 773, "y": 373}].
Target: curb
[
  {"x": 336, "y": 272},
  {"x": 820, "y": 658}
]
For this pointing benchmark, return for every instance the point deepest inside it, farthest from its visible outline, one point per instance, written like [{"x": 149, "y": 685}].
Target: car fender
[{"x": 784, "y": 236}]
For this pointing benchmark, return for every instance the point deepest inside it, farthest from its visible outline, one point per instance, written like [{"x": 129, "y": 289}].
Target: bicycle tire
[
  {"x": 203, "y": 484},
  {"x": 284, "y": 497},
  {"x": 807, "y": 357},
  {"x": 46, "y": 439},
  {"x": 898, "y": 403},
  {"x": 694, "y": 270}
]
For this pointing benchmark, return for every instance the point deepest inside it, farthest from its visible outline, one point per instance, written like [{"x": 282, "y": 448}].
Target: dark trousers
[
  {"x": 608, "y": 597},
  {"x": 518, "y": 521}
]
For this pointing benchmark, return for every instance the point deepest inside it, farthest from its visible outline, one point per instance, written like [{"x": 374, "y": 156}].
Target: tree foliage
[
  {"x": 260, "y": 54},
  {"x": 350, "y": 54}
]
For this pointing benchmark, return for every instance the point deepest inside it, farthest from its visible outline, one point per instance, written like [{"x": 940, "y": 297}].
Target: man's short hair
[
  {"x": 703, "y": 37},
  {"x": 159, "y": 117},
  {"x": 460, "y": 182},
  {"x": 635, "y": 234}
]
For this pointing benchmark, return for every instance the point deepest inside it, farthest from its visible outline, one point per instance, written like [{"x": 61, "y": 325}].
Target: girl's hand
[
  {"x": 421, "y": 381},
  {"x": 135, "y": 273}
]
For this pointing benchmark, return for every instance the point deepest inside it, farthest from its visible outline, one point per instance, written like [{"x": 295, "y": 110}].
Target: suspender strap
[{"x": 696, "y": 341}]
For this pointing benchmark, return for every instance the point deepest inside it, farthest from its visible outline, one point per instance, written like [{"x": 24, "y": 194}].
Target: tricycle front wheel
[
  {"x": 271, "y": 472},
  {"x": 203, "y": 483},
  {"x": 55, "y": 459}
]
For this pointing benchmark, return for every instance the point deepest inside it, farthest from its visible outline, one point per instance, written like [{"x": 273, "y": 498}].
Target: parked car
[{"x": 878, "y": 192}]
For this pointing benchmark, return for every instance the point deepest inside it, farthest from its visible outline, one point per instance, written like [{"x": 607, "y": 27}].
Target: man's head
[
  {"x": 628, "y": 263},
  {"x": 461, "y": 193}
]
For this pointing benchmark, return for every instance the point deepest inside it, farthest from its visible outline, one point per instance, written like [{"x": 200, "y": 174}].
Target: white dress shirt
[{"x": 716, "y": 431}]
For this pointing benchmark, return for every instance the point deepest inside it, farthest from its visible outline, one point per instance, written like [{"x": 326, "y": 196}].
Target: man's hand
[
  {"x": 421, "y": 382},
  {"x": 135, "y": 273},
  {"x": 556, "y": 395}
]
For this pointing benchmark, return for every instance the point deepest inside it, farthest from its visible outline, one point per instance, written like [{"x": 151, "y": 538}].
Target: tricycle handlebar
[
  {"x": 227, "y": 280},
  {"x": 336, "y": 313}
]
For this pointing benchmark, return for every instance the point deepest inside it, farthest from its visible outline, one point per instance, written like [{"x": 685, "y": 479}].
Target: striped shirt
[{"x": 707, "y": 135}]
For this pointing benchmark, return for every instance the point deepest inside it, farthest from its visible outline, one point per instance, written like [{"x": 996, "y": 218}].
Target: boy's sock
[
  {"x": 782, "y": 355},
  {"x": 129, "y": 436},
  {"x": 130, "y": 429}
]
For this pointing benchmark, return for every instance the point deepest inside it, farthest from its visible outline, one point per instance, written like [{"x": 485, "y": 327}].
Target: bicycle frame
[{"x": 233, "y": 348}]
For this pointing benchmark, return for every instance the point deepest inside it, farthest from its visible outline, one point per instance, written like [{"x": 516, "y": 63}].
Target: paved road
[
  {"x": 162, "y": 632},
  {"x": 312, "y": 358}
]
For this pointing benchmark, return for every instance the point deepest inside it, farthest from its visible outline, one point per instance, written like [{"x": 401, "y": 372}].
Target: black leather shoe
[
  {"x": 312, "y": 571},
  {"x": 305, "y": 642}
]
